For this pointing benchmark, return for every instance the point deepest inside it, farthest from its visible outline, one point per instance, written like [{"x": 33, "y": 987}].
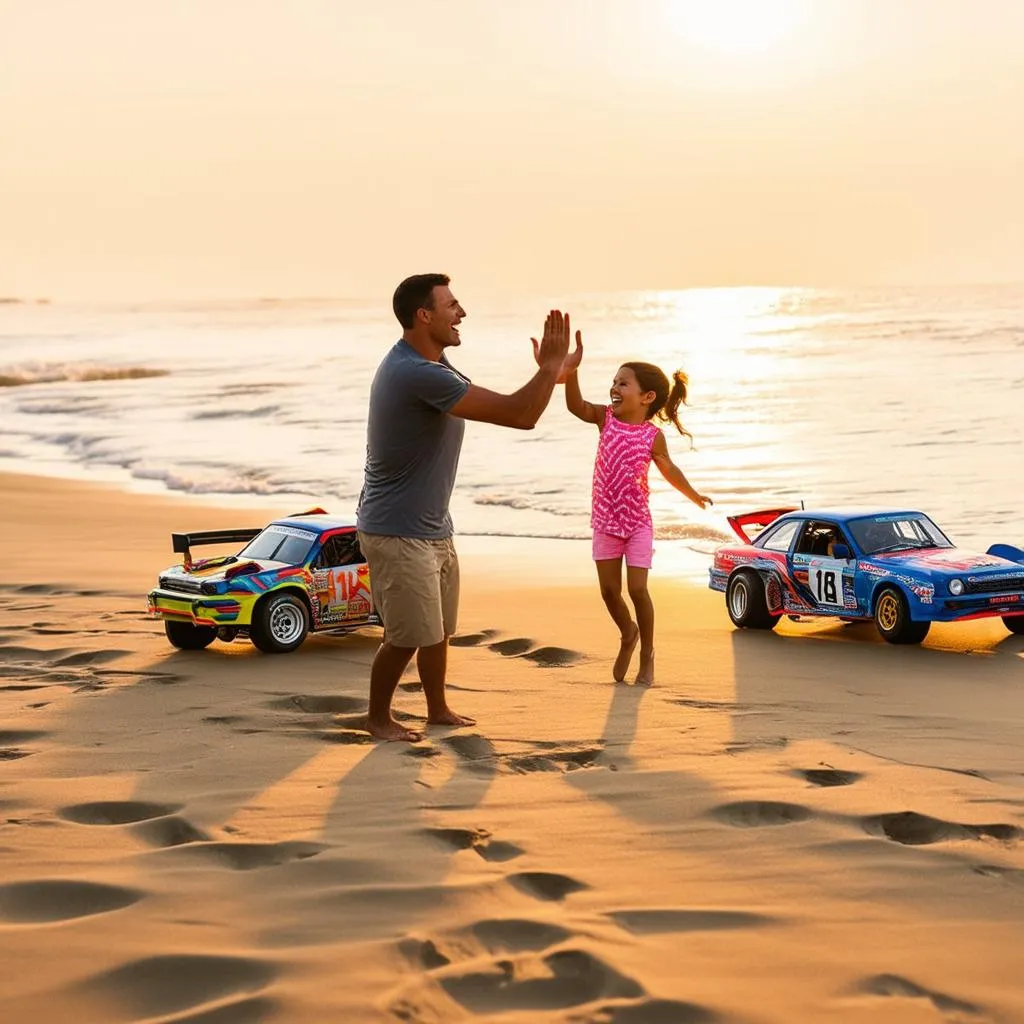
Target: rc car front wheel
[
  {"x": 1014, "y": 623},
  {"x": 746, "y": 602},
  {"x": 279, "y": 623},
  {"x": 893, "y": 621},
  {"x": 187, "y": 637}
]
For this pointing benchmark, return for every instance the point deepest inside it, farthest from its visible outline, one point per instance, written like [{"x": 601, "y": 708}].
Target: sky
[{"x": 154, "y": 149}]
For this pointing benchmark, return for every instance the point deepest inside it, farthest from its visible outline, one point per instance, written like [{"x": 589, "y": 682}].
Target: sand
[{"x": 809, "y": 825}]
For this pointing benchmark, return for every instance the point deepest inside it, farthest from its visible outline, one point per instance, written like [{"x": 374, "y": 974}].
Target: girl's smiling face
[{"x": 629, "y": 403}]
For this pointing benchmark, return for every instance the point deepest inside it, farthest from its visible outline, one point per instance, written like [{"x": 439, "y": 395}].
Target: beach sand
[{"x": 809, "y": 825}]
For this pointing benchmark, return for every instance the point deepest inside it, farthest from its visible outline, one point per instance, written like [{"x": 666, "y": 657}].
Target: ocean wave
[
  {"x": 692, "y": 532},
  {"x": 236, "y": 414},
  {"x": 523, "y": 504},
  {"x": 71, "y": 405},
  {"x": 226, "y": 482},
  {"x": 239, "y": 390},
  {"x": 52, "y": 373}
]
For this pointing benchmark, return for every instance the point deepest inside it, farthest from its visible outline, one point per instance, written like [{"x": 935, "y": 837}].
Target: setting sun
[{"x": 737, "y": 26}]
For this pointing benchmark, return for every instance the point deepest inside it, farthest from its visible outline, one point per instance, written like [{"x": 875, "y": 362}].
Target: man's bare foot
[
  {"x": 392, "y": 730},
  {"x": 626, "y": 649},
  {"x": 448, "y": 717},
  {"x": 646, "y": 674}
]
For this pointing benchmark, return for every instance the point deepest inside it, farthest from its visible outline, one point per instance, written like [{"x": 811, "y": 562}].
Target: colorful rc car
[
  {"x": 301, "y": 574},
  {"x": 897, "y": 568}
]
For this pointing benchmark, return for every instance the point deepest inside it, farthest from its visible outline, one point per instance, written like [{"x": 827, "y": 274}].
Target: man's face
[{"x": 444, "y": 319}]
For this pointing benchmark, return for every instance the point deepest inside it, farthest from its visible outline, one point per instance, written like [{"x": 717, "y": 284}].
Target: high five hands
[{"x": 554, "y": 348}]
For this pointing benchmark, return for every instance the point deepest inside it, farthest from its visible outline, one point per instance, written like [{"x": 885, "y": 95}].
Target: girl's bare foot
[
  {"x": 646, "y": 674},
  {"x": 392, "y": 730},
  {"x": 626, "y": 649},
  {"x": 448, "y": 717}
]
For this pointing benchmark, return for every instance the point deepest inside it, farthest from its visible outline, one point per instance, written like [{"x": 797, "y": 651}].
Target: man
[{"x": 418, "y": 407}]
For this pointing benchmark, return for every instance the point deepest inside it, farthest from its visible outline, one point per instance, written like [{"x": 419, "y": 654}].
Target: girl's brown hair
[{"x": 667, "y": 399}]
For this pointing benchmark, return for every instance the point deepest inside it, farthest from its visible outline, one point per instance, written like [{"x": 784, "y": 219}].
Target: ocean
[{"x": 873, "y": 397}]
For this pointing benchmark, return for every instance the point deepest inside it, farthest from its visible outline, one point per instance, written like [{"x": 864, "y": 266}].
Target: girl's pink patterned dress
[{"x": 621, "y": 491}]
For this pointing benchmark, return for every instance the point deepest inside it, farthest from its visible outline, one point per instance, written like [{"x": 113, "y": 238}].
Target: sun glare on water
[{"x": 737, "y": 27}]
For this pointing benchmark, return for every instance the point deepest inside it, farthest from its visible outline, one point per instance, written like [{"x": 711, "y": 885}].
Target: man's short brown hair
[{"x": 416, "y": 292}]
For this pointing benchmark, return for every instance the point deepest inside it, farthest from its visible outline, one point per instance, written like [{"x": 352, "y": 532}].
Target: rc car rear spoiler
[
  {"x": 762, "y": 519},
  {"x": 181, "y": 542}
]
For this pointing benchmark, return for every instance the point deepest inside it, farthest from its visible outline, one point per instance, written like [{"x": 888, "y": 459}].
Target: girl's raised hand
[{"x": 571, "y": 362}]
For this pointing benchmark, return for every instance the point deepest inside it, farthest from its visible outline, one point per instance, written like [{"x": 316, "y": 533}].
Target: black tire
[
  {"x": 1014, "y": 623},
  {"x": 187, "y": 637},
  {"x": 893, "y": 621},
  {"x": 280, "y": 623},
  {"x": 746, "y": 602}
]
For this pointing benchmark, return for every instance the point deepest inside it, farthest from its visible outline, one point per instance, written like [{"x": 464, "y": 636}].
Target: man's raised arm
[{"x": 522, "y": 408}]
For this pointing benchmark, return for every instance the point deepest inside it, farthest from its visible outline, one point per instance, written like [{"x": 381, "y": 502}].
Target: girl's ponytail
[{"x": 677, "y": 397}]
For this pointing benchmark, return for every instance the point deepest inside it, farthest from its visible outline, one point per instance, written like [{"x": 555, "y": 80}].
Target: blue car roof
[
  {"x": 317, "y": 523},
  {"x": 846, "y": 514}
]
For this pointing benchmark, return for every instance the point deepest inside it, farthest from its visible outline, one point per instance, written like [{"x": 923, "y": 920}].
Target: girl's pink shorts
[{"x": 638, "y": 547}]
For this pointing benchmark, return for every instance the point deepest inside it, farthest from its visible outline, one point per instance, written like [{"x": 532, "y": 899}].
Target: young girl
[{"x": 621, "y": 514}]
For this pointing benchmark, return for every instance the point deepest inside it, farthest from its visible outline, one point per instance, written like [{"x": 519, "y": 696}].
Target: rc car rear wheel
[
  {"x": 280, "y": 623},
  {"x": 187, "y": 637},
  {"x": 893, "y": 621},
  {"x": 746, "y": 602},
  {"x": 1014, "y": 623}
]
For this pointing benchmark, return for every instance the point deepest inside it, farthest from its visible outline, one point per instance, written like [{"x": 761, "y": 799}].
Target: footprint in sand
[
  {"x": 705, "y": 705},
  {"x": 561, "y": 979},
  {"x": 162, "y": 986},
  {"x": 116, "y": 812},
  {"x": 553, "y": 657},
  {"x": 35, "y": 588},
  {"x": 155, "y": 824},
  {"x": 473, "y": 639},
  {"x": 487, "y": 937},
  {"x": 828, "y": 776},
  {"x": 478, "y": 840},
  {"x": 243, "y": 856},
  {"x": 319, "y": 704},
  {"x": 913, "y": 829},
  {"x": 520, "y": 647},
  {"x": 511, "y": 648},
  {"x": 13, "y": 737},
  {"x": 553, "y": 760},
  {"x": 760, "y": 813},
  {"x": 892, "y": 986},
  {"x": 545, "y": 885},
  {"x": 48, "y": 900},
  {"x": 471, "y": 747}
]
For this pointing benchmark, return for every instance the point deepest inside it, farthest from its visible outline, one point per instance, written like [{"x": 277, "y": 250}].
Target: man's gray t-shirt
[{"x": 412, "y": 446}]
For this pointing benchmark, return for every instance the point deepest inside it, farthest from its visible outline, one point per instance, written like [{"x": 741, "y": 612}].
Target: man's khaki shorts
[{"x": 415, "y": 587}]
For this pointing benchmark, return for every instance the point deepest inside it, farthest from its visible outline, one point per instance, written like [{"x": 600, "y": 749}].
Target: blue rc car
[{"x": 896, "y": 568}]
